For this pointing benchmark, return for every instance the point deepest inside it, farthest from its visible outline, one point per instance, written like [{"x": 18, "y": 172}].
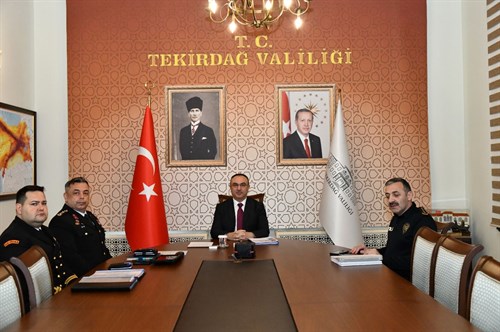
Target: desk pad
[{"x": 236, "y": 296}]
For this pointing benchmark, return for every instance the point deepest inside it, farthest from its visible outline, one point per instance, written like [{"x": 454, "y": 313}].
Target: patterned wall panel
[{"x": 384, "y": 88}]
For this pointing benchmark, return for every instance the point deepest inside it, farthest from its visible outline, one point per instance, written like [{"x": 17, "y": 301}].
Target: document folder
[
  {"x": 104, "y": 286},
  {"x": 357, "y": 260}
]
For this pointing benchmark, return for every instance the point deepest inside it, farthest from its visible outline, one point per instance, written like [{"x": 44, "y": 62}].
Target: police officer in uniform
[
  {"x": 197, "y": 141},
  {"x": 405, "y": 223},
  {"x": 27, "y": 229},
  {"x": 79, "y": 232}
]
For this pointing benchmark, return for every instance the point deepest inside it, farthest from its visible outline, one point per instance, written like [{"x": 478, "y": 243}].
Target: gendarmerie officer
[
  {"x": 27, "y": 229},
  {"x": 405, "y": 223},
  {"x": 79, "y": 232}
]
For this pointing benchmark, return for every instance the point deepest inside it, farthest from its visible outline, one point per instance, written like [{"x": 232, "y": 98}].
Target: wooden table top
[{"x": 322, "y": 296}]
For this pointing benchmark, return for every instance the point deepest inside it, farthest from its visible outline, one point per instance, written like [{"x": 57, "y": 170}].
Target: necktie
[
  {"x": 193, "y": 129},
  {"x": 308, "y": 151},
  {"x": 239, "y": 217}
]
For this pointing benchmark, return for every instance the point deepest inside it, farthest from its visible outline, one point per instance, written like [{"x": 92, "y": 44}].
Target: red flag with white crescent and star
[
  {"x": 146, "y": 222},
  {"x": 285, "y": 115}
]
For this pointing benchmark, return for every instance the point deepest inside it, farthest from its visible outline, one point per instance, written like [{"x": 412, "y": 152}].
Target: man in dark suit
[
  {"x": 240, "y": 217},
  {"x": 197, "y": 141},
  {"x": 79, "y": 232},
  {"x": 302, "y": 144},
  {"x": 27, "y": 229}
]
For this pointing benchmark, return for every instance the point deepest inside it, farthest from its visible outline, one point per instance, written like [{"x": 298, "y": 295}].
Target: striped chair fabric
[
  {"x": 452, "y": 273},
  {"x": 35, "y": 266},
  {"x": 12, "y": 307},
  {"x": 484, "y": 295},
  {"x": 424, "y": 257}
]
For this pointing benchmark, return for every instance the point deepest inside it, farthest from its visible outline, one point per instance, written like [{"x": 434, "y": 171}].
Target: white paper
[{"x": 200, "y": 244}]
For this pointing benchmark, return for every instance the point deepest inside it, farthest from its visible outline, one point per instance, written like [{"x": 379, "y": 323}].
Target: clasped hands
[{"x": 239, "y": 235}]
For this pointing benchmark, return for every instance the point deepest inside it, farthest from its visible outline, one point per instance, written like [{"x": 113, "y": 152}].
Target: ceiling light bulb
[
  {"x": 232, "y": 26},
  {"x": 212, "y": 5},
  {"x": 298, "y": 22},
  {"x": 268, "y": 5}
]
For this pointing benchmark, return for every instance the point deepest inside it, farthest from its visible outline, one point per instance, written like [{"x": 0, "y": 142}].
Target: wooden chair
[
  {"x": 423, "y": 257},
  {"x": 451, "y": 276},
  {"x": 257, "y": 197},
  {"x": 35, "y": 268},
  {"x": 443, "y": 227},
  {"x": 483, "y": 301},
  {"x": 12, "y": 307}
]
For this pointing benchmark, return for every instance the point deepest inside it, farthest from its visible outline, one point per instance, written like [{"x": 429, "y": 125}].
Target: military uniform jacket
[
  {"x": 20, "y": 236},
  {"x": 402, "y": 231},
  {"x": 201, "y": 145},
  {"x": 82, "y": 239}
]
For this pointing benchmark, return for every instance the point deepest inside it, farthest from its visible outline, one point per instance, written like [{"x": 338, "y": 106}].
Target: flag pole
[
  {"x": 340, "y": 98},
  {"x": 149, "y": 87}
]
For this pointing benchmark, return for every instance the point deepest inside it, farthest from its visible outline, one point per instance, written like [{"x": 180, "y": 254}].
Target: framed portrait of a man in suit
[
  {"x": 305, "y": 123},
  {"x": 196, "y": 126}
]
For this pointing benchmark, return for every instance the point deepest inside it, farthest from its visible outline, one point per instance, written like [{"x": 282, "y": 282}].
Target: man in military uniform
[
  {"x": 197, "y": 141},
  {"x": 79, "y": 232},
  {"x": 405, "y": 223},
  {"x": 27, "y": 229}
]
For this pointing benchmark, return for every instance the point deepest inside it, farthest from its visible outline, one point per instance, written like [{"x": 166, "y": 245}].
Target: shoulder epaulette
[
  {"x": 424, "y": 211},
  {"x": 62, "y": 212}
]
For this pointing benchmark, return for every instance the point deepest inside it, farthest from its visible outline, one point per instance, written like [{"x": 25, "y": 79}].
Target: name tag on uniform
[{"x": 391, "y": 229}]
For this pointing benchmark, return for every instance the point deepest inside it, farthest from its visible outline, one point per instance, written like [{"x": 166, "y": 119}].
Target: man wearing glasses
[{"x": 240, "y": 217}]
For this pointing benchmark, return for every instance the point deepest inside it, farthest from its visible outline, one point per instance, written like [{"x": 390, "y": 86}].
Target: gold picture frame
[
  {"x": 319, "y": 99},
  {"x": 185, "y": 148}
]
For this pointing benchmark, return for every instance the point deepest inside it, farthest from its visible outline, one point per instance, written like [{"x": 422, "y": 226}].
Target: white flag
[{"x": 338, "y": 212}]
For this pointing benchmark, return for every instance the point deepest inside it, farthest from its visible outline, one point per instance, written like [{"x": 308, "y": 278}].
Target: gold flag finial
[{"x": 149, "y": 86}]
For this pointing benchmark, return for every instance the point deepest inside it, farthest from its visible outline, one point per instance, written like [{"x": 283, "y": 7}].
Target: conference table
[{"x": 321, "y": 295}]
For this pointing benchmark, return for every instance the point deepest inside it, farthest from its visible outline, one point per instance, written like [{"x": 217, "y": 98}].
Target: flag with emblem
[
  {"x": 285, "y": 115},
  {"x": 338, "y": 212},
  {"x": 146, "y": 223}
]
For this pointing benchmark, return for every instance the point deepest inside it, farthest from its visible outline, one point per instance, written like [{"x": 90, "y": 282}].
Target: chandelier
[{"x": 258, "y": 15}]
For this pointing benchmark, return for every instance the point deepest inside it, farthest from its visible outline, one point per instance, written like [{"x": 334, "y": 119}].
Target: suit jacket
[
  {"x": 20, "y": 236},
  {"x": 254, "y": 218},
  {"x": 201, "y": 145},
  {"x": 293, "y": 147},
  {"x": 82, "y": 239}
]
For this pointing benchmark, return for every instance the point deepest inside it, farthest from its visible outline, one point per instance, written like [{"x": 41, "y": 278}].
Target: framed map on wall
[
  {"x": 305, "y": 123},
  {"x": 17, "y": 149},
  {"x": 196, "y": 126}
]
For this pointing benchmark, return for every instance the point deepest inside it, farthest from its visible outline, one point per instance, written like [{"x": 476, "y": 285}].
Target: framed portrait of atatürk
[
  {"x": 17, "y": 149},
  {"x": 305, "y": 120},
  {"x": 196, "y": 126}
]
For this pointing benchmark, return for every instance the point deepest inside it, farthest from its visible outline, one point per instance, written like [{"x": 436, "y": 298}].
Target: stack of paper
[
  {"x": 114, "y": 276},
  {"x": 263, "y": 241},
  {"x": 109, "y": 280},
  {"x": 356, "y": 260},
  {"x": 199, "y": 244}
]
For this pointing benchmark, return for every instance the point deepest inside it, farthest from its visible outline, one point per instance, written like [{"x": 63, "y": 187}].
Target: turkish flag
[
  {"x": 146, "y": 223},
  {"x": 285, "y": 115}
]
